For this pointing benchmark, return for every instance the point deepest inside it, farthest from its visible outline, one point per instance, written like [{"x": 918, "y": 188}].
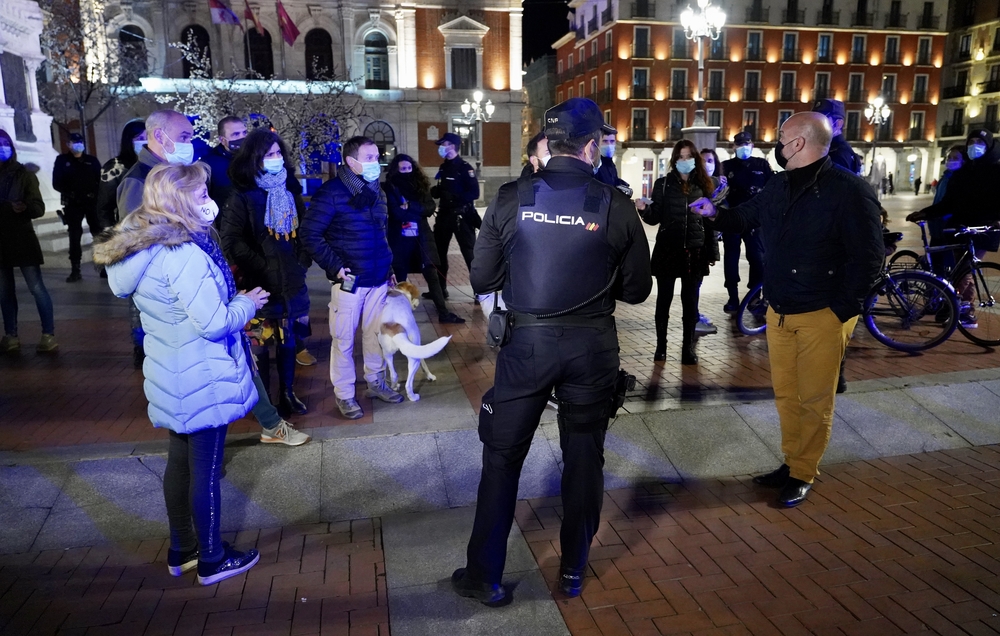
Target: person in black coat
[
  {"x": 259, "y": 231},
  {"x": 841, "y": 152},
  {"x": 113, "y": 171},
  {"x": 747, "y": 176},
  {"x": 685, "y": 243},
  {"x": 77, "y": 177},
  {"x": 457, "y": 188},
  {"x": 607, "y": 173},
  {"x": 232, "y": 131},
  {"x": 409, "y": 201},
  {"x": 20, "y": 202}
]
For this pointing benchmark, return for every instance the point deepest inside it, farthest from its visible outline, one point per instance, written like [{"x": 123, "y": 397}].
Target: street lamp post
[
  {"x": 706, "y": 22},
  {"x": 475, "y": 112},
  {"x": 877, "y": 114}
]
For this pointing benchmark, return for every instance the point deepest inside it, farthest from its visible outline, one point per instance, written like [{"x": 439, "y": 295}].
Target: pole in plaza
[
  {"x": 706, "y": 22},
  {"x": 475, "y": 112},
  {"x": 877, "y": 113}
]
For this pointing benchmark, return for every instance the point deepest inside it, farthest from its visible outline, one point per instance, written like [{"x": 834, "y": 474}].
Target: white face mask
[
  {"x": 370, "y": 171},
  {"x": 183, "y": 153},
  {"x": 443, "y": 152},
  {"x": 953, "y": 165},
  {"x": 710, "y": 167},
  {"x": 544, "y": 160},
  {"x": 743, "y": 152},
  {"x": 138, "y": 146},
  {"x": 77, "y": 147},
  {"x": 274, "y": 165},
  {"x": 209, "y": 210}
]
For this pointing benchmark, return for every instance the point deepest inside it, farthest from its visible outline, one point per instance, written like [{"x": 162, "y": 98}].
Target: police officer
[
  {"x": 563, "y": 247},
  {"x": 746, "y": 175},
  {"x": 77, "y": 177},
  {"x": 457, "y": 188},
  {"x": 841, "y": 152},
  {"x": 607, "y": 173}
]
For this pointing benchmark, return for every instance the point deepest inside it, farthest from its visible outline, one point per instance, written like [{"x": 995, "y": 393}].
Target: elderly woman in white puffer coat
[{"x": 197, "y": 377}]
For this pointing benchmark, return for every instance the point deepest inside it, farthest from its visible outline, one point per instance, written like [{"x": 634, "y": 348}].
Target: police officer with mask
[
  {"x": 746, "y": 175},
  {"x": 457, "y": 188},
  {"x": 607, "y": 173},
  {"x": 841, "y": 152},
  {"x": 563, "y": 247}
]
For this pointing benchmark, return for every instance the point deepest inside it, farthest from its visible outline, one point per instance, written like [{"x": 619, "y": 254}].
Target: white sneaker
[{"x": 283, "y": 433}]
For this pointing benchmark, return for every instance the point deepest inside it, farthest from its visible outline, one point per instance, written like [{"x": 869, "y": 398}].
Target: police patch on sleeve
[{"x": 472, "y": 173}]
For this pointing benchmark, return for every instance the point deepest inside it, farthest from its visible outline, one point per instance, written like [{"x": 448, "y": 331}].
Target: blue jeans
[
  {"x": 8, "y": 298},
  {"x": 264, "y": 411},
  {"x": 192, "y": 493}
]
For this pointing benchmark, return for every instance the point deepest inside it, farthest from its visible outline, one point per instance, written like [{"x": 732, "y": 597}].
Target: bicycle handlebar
[{"x": 965, "y": 230}]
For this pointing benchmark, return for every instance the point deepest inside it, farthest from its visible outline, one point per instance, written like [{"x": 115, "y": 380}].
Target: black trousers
[
  {"x": 731, "y": 260},
  {"x": 407, "y": 248},
  {"x": 580, "y": 364},
  {"x": 74, "y": 225},
  {"x": 451, "y": 224},
  {"x": 690, "y": 291}
]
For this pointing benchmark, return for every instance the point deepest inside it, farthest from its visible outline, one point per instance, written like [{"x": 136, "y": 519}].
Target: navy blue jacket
[
  {"x": 341, "y": 229},
  {"x": 746, "y": 178},
  {"x": 220, "y": 186},
  {"x": 824, "y": 246},
  {"x": 608, "y": 173},
  {"x": 457, "y": 186},
  {"x": 843, "y": 155}
]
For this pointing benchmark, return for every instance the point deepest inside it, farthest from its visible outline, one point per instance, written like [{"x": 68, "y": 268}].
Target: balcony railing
[
  {"x": 821, "y": 93},
  {"x": 592, "y": 62},
  {"x": 862, "y": 19},
  {"x": 578, "y": 69},
  {"x": 751, "y": 94},
  {"x": 758, "y": 14},
  {"x": 681, "y": 52},
  {"x": 752, "y": 131},
  {"x": 960, "y": 90},
  {"x": 754, "y": 54},
  {"x": 676, "y": 133},
  {"x": 718, "y": 53},
  {"x": 640, "y": 133},
  {"x": 795, "y": 16},
  {"x": 604, "y": 56},
  {"x": 929, "y": 22},
  {"x": 919, "y": 97},
  {"x": 962, "y": 56},
  {"x": 680, "y": 91},
  {"x": 991, "y": 86},
  {"x": 643, "y": 9},
  {"x": 896, "y": 21},
  {"x": 891, "y": 57},
  {"x": 642, "y": 92},
  {"x": 606, "y": 14},
  {"x": 923, "y": 59},
  {"x": 602, "y": 96},
  {"x": 789, "y": 94},
  {"x": 374, "y": 84},
  {"x": 916, "y": 134},
  {"x": 581, "y": 32},
  {"x": 642, "y": 51},
  {"x": 884, "y": 133},
  {"x": 791, "y": 55},
  {"x": 889, "y": 97},
  {"x": 565, "y": 76},
  {"x": 716, "y": 93},
  {"x": 953, "y": 130},
  {"x": 592, "y": 25},
  {"x": 828, "y": 17},
  {"x": 856, "y": 96},
  {"x": 852, "y": 134},
  {"x": 992, "y": 126},
  {"x": 859, "y": 57}
]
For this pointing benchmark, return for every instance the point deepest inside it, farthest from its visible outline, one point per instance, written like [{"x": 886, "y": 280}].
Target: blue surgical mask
[
  {"x": 6, "y": 152},
  {"x": 370, "y": 171},
  {"x": 274, "y": 165},
  {"x": 743, "y": 152},
  {"x": 685, "y": 166},
  {"x": 953, "y": 165},
  {"x": 443, "y": 152},
  {"x": 183, "y": 153},
  {"x": 608, "y": 151},
  {"x": 76, "y": 147},
  {"x": 137, "y": 146},
  {"x": 975, "y": 151}
]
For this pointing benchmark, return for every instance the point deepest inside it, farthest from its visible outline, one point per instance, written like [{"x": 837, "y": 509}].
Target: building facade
[
  {"x": 971, "y": 77},
  {"x": 540, "y": 90},
  {"x": 772, "y": 60},
  {"x": 414, "y": 65}
]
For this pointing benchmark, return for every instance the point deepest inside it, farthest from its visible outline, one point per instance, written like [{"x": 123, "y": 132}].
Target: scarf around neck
[
  {"x": 210, "y": 247},
  {"x": 281, "y": 217}
]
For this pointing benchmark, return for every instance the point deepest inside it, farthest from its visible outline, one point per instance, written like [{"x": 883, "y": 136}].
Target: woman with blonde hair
[{"x": 197, "y": 377}]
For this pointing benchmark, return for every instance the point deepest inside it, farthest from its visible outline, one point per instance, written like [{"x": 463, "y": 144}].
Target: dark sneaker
[
  {"x": 731, "y": 307},
  {"x": 232, "y": 564},
  {"x": 74, "y": 276},
  {"x": 570, "y": 584},
  {"x": 350, "y": 408},
  {"x": 180, "y": 562},
  {"x": 379, "y": 389},
  {"x": 451, "y": 319},
  {"x": 491, "y": 595}
]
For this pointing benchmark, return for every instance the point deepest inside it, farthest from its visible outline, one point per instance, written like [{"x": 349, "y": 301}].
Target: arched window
[
  {"x": 132, "y": 54},
  {"x": 385, "y": 139},
  {"x": 257, "y": 54},
  {"x": 196, "y": 37},
  {"x": 376, "y": 61},
  {"x": 319, "y": 55}
]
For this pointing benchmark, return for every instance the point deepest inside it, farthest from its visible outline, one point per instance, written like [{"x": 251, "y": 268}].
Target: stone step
[{"x": 54, "y": 238}]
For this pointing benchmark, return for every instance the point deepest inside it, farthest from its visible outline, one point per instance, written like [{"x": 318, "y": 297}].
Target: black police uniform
[
  {"x": 607, "y": 174},
  {"x": 78, "y": 180},
  {"x": 746, "y": 178},
  {"x": 458, "y": 189},
  {"x": 844, "y": 156},
  {"x": 551, "y": 242}
]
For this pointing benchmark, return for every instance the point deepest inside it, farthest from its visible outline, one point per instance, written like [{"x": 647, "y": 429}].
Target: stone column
[
  {"x": 479, "y": 66},
  {"x": 515, "y": 49},
  {"x": 406, "y": 40},
  {"x": 394, "y": 70},
  {"x": 447, "y": 67},
  {"x": 32, "y": 65}
]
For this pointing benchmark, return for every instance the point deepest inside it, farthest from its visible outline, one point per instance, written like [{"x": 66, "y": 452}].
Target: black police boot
[
  {"x": 74, "y": 275},
  {"x": 688, "y": 356},
  {"x": 287, "y": 402},
  {"x": 733, "y": 305},
  {"x": 491, "y": 595}
]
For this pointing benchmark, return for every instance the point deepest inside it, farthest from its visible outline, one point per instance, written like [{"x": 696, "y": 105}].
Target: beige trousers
[{"x": 346, "y": 310}]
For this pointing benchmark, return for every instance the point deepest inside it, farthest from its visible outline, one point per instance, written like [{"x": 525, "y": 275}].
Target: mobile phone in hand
[{"x": 347, "y": 284}]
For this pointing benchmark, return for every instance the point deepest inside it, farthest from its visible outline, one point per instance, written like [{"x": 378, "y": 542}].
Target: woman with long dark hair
[
  {"x": 685, "y": 243},
  {"x": 258, "y": 228},
  {"x": 408, "y": 197}
]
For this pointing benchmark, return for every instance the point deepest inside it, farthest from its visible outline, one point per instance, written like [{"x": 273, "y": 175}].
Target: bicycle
[
  {"x": 985, "y": 280},
  {"x": 909, "y": 310}
]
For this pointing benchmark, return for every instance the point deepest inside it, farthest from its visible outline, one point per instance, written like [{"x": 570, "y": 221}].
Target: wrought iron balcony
[
  {"x": 795, "y": 16},
  {"x": 682, "y": 52},
  {"x": 680, "y": 91},
  {"x": 953, "y": 130},
  {"x": 640, "y": 133},
  {"x": 895, "y": 20},
  {"x": 643, "y": 9},
  {"x": 754, "y": 54},
  {"x": 791, "y": 55},
  {"x": 828, "y": 17},
  {"x": 859, "y": 57},
  {"x": 950, "y": 92},
  {"x": 642, "y": 91},
  {"x": 642, "y": 51},
  {"x": 862, "y": 19},
  {"x": 758, "y": 14},
  {"x": 716, "y": 93},
  {"x": 751, "y": 94}
]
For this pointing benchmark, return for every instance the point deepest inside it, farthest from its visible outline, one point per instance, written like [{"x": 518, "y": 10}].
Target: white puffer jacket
[{"x": 196, "y": 372}]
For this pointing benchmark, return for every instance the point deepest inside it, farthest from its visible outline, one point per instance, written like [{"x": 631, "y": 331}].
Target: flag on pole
[
  {"x": 248, "y": 14},
  {"x": 221, "y": 14},
  {"x": 288, "y": 29}
]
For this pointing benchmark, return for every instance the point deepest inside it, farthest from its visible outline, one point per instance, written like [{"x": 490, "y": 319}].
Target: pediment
[{"x": 463, "y": 25}]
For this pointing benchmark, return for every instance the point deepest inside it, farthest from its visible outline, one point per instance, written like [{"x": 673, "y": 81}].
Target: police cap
[
  {"x": 742, "y": 138},
  {"x": 76, "y": 138},
  {"x": 575, "y": 117},
  {"x": 451, "y": 138},
  {"x": 830, "y": 108}
]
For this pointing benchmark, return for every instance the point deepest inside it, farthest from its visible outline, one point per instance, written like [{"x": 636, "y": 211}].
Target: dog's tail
[{"x": 420, "y": 352}]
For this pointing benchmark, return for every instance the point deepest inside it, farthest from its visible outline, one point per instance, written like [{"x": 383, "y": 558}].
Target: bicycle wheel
[
  {"x": 986, "y": 280},
  {"x": 911, "y": 311},
  {"x": 906, "y": 260},
  {"x": 751, "y": 317}
]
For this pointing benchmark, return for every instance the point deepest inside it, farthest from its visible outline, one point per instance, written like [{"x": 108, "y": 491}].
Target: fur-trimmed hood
[{"x": 127, "y": 248}]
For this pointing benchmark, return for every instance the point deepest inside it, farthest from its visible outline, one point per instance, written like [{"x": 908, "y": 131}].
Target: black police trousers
[
  {"x": 731, "y": 260},
  {"x": 449, "y": 223},
  {"x": 74, "y": 224},
  {"x": 581, "y": 364}
]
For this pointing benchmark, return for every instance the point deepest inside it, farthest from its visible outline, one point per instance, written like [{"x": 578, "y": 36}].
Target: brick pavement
[{"x": 907, "y": 544}]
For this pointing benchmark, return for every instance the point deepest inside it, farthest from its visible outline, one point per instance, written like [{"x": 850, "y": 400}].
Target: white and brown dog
[{"x": 398, "y": 331}]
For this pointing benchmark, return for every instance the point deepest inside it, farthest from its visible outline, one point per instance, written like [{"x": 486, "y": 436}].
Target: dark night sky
[{"x": 544, "y": 23}]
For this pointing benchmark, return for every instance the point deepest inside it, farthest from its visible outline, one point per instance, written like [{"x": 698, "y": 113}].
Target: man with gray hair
[
  {"x": 822, "y": 234},
  {"x": 168, "y": 140}
]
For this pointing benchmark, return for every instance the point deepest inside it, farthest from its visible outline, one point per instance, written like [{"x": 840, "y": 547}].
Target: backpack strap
[{"x": 525, "y": 191}]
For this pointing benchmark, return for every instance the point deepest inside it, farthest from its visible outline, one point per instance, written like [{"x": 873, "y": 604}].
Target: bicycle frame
[{"x": 968, "y": 258}]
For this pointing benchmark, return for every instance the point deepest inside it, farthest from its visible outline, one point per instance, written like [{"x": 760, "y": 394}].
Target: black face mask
[
  {"x": 778, "y": 156},
  {"x": 234, "y": 145}
]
